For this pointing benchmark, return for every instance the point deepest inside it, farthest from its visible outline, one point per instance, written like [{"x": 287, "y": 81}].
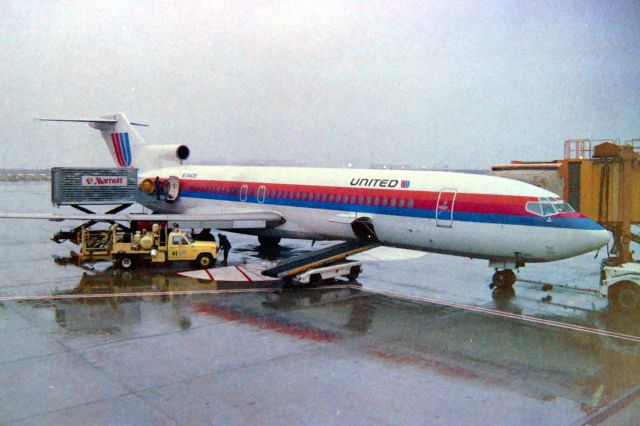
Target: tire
[
  {"x": 504, "y": 279},
  {"x": 268, "y": 241},
  {"x": 625, "y": 296},
  {"x": 125, "y": 262},
  {"x": 205, "y": 260},
  {"x": 287, "y": 282},
  {"x": 354, "y": 272}
]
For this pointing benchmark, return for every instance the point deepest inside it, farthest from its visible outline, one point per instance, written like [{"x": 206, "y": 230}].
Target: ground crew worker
[
  {"x": 158, "y": 187},
  {"x": 206, "y": 235},
  {"x": 225, "y": 245}
]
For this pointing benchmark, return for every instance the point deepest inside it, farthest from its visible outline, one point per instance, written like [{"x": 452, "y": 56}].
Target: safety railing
[{"x": 577, "y": 149}]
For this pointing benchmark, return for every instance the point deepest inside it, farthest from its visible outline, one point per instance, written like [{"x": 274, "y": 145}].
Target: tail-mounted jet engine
[{"x": 168, "y": 153}]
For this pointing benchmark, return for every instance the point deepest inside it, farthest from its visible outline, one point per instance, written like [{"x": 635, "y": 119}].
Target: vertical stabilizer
[
  {"x": 127, "y": 147},
  {"x": 123, "y": 141}
]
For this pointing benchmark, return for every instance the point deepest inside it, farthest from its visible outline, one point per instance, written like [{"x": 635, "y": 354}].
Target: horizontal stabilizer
[{"x": 89, "y": 120}]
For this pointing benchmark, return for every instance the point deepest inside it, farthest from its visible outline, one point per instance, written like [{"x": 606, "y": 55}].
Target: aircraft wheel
[
  {"x": 269, "y": 241},
  {"x": 354, "y": 272},
  {"x": 287, "y": 282},
  {"x": 125, "y": 262},
  {"x": 205, "y": 260},
  {"x": 625, "y": 296},
  {"x": 503, "y": 279},
  {"x": 315, "y": 279}
]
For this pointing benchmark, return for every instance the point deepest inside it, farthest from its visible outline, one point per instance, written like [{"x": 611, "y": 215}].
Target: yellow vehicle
[{"x": 157, "y": 245}]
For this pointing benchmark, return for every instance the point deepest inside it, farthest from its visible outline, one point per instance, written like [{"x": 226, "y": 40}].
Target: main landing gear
[
  {"x": 268, "y": 241},
  {"x": 503, "y": 279}
]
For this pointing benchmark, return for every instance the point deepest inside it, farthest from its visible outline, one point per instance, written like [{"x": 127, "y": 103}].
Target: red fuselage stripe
[{"x": 426, "y": 200}]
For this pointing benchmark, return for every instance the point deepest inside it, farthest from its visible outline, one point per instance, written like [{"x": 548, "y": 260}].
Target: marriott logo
[{"x": 104, "y": 181}]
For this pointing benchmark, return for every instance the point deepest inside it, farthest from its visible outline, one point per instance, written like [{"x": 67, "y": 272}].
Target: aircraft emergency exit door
[{"x": 445, "y": 207}]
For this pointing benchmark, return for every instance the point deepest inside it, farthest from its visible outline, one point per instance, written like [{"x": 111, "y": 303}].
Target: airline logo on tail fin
[{"x": 122, "y": 148}]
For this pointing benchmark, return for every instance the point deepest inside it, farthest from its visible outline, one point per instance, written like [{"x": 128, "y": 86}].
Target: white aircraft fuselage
[
  {"x": 471, "y": 215},
  {"x": 505, "y": 221}
]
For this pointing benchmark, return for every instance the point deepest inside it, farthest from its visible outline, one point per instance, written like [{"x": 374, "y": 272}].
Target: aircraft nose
[
  {"x": 587, "y": 240},
  {"x": 595, "y": 238},
  {"x": 601, "y": 237}
]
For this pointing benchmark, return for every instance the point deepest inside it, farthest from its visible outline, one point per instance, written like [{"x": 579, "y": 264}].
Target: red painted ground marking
[
  {"x": 210, "y": 276},
  {"x": 245, "y": 275}
]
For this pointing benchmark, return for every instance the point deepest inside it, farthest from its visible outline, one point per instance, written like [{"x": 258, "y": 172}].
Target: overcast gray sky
[{"x": 320, "y": 83}]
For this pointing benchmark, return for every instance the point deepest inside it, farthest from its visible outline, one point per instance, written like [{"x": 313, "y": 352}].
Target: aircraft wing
[{"x": 227, "y": 220}]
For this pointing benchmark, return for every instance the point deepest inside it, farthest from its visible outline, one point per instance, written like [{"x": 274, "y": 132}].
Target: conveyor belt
[{"x": 314, "y": 259}]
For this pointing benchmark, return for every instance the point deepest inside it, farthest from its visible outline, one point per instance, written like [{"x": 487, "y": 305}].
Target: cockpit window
[
  {"x": 534, "y": 208},
  {"x": 562, "y": 206},
  {"x": 546, "y": 206},
  {"x": 547, "y": 209}
]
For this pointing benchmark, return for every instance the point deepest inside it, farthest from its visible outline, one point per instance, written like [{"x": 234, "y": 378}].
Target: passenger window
[
  {"x": 393, "y": 202},
  {"x": 324, "y": 198},
  {"x": 317, "y": 196},
  {"x": 410, "y": 204},
  {"x": 376, "y": 201},
  {"x": 401, "y": 203},
  {"x": 304, "y": 196},
  {"x": 338, "y": 198},
  {"x": 368, "y": 201},
  {"x": 360, "y": 199},
  {"x": 176, "y": 240},
  {"x": 353, "y": 199},
  {"x": 384, "y": 201},
  {"x": 331, "y": 198}
]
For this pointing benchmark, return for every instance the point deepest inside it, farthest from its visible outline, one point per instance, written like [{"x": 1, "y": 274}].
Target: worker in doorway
[
  {"x": 157, "y": 185},
  {"x": 225, "y": 245}
]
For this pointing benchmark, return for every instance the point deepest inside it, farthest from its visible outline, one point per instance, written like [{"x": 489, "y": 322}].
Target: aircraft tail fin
[{"x": 127, "y": 147}]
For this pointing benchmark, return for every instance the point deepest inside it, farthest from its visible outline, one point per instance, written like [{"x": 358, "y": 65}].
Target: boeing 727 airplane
[{"x": 507, "y": 222}]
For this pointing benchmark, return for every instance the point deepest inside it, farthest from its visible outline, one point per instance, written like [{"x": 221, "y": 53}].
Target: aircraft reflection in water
[{"x": 534, "y": 360}]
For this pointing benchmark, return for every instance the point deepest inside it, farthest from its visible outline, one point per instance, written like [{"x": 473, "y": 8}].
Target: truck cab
[{"x": 182, "y": 247}]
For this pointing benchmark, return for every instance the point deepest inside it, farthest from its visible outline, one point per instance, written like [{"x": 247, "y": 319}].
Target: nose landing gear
[{"x": 505, "y": 278}]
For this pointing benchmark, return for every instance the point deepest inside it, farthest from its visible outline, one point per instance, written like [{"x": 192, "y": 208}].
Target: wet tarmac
[{"x": 415, "y": 340}]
